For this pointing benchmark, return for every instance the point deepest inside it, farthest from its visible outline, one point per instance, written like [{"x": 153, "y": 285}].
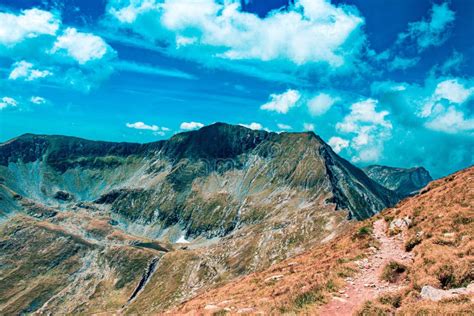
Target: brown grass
[
  {"x": 393, "y": 271},
  {"x": 440, "y": 237}
]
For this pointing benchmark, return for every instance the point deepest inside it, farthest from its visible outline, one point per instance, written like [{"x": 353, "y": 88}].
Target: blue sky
[{"x": 388, "y": 82}]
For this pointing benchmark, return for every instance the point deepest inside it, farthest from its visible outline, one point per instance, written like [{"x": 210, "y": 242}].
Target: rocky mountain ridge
[{"x": 404, "y": 181}]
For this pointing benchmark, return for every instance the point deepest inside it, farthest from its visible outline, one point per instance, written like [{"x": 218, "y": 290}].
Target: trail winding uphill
[{"x": 367, "y": 284}]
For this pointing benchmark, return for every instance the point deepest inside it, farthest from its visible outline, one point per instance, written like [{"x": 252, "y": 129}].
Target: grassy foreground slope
[{"x": 438, "y": 238}]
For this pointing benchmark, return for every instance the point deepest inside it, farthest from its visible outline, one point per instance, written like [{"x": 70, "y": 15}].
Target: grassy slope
[
  {"x": 440, "y": 237},
  {"x": 40, "y": 259}
]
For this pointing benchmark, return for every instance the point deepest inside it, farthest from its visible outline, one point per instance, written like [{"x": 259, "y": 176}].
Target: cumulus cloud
[
  {"x": 141, "y": 125},
  {"x": 28, "y": 24},
  {"x": 284, "y": 126},
  {"x": 431, "y": 31},
  {"x": 309, "y": 32},
  {"x": 188, "y": 126},
  {"x": 65, "y": 56},
  {"x": 338, "y": 144},
  {"x": 445, "y": 110},
  {"x": 451, "y": 121},
  {"x": 82, "y": 47},
  {"x": 253, "y": 125},
  {"x": 309, "y": 127},
  {"x": 282, "y": 103},
  {"x": 441, "y": 104},
  {"x": 369, "y": 129},
  {"x": 320, "y": 104},
  {"x": 7, "y": 102},
  {"x": 453, "y": 91},
  {"x": 26, "y": 71},
  {"x": 37, "y": 100}
]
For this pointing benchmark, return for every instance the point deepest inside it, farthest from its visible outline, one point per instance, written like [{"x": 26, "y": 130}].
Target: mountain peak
[{"x": 405, "y": 181}]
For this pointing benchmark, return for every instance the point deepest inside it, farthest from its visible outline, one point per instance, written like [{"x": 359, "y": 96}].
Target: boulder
[
  {"x": 399, "y": 224},
  {"x": 433, "y": 294}
]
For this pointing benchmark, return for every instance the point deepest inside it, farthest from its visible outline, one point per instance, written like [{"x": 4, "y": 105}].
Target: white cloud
[
  {"x": 451, "y": 121},
  {"x": 310, "y": 31},
  {"x": 363, "y": 112},
  {"x": 442, "y": 103},
  {"x": 188, "y": 126},
  {"x": 337, "y": 144},
  {"x": 453, "y": 91},
  {"x": 432, "y": 31},
  {"x": 37, "y": 100},
  {"x": 141, "y": 125},
  {"x": 6, "y": 102},
  {"x": 320, "y": 104},
  {"x": 445, "y": 109},
  {"x": 25, "y": 70},
  {"x": 38, "y": 35},
  {"x": 28, "y": 24},
  {"x": 83, "y": 47},
  {"x": 369, "y": 130},
  {"x": 284, "y": 126},
  {"x": 309, "y": 127},
  {"x": 282, "y": 103},
  {"x": 254, "y": 126}
]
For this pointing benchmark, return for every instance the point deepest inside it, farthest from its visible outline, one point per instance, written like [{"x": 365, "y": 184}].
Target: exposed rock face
[
  {"x": 213, "y": 170},
  {"x": 433, "y": 294},
  {"x": 244, "y": 199},
  {"x": 405, "y": 182}
]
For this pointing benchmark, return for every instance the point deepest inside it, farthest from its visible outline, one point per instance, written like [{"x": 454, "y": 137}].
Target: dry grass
[
  {"x": 440, "y": 237},
  {"x": 299, "y": 283},
  {"x": 393, "y": 272}
]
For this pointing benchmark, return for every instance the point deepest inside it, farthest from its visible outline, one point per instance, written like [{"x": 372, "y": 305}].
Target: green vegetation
[
  {"x": 393, "y": 300},
  {"x": 413, "y": 242},
  {"x": 312, "y": 296},
  {"x": 374, "y": 309},
  {"x": 364, "y": 231},
  {"x": 392, "y": 271}
]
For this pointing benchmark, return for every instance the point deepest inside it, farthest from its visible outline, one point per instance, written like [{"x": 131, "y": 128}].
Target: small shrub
[
  {"x": 309, "y": 297},
  {"x": 331, "y": 286},
  {"x": 462, "y": 220},
  {"x": 364, "y": 231},
  {"x": 392, "y": 271},
  {"x": 373, "y": 309},
  {"x": 446, "y": 277},
  {"x": 394, "y": 300},
  {"x": 413, "y": 242}
]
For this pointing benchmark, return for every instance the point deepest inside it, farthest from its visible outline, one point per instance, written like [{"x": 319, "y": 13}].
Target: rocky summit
[
  {"x": 404, "y": 181},
  {"x": 90, "y": 226}
]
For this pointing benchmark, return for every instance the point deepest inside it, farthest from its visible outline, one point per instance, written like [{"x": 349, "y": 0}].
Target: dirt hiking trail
[{"x": 367, "y": 285}]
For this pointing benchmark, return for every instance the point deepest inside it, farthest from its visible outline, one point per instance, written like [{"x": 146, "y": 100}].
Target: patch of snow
[{"x": 182, "y": 240}]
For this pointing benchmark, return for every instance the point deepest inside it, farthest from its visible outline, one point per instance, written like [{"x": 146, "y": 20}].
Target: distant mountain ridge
[
  {"x": 191, "y": 155},
  {"x": 404, "y": 181}
]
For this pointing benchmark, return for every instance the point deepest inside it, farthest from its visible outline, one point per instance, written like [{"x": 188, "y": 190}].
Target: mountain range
[{"x": 90, "y": 226}]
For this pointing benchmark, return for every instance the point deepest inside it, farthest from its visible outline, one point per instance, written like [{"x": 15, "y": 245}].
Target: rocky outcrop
[
  {"x": 433, "y": 294},
  {"x": 405, "y": 182}
]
